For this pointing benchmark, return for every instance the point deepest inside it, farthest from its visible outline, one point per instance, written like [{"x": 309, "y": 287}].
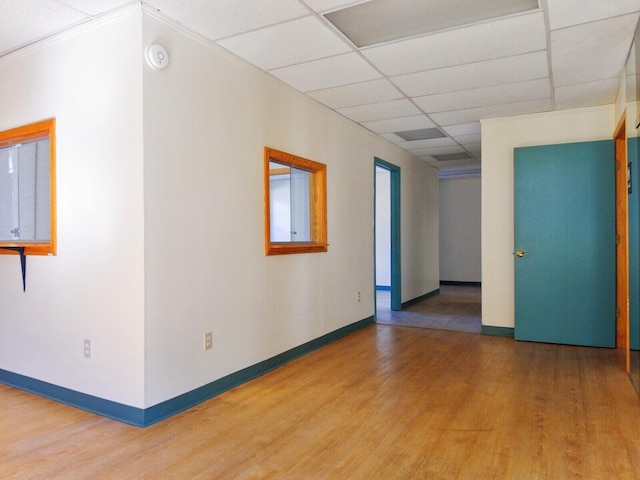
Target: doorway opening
[{"x": 387, "y": 280}]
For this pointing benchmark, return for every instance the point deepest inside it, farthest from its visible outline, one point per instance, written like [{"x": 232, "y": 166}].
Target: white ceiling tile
[
  {"x": 430, "y": 143},
  {"x": 463, "y": 129},
  {"x": 357, "y": 94},
  {"x": 474, "y": 149},
  {"x": 327, "y": 72},
  {"x": 601, "y": 92},
  {"x": 592, "y": 51},
  {"x": 327, "y": 5},
  {"x": 529, "y": 66},
  {"x": 400, "y": 124},
  {"x": 95, "y": 7},
  {"x": 280, "y": 45},
  {"x": 504, "y": 110},
  {"x": 485, "y": 41},
  {"x": 421, "y": 152},
  {"x": 452, "y": 165},
  {"x": 392, "y": 137},
  {"x": 32, "y": 20},
  {"x": 565, "y": 13},
  {"x": 216, "y": 19},
  {"x": 467, "y": 139},
  {"x": 482, "y": 97},
  {"x": 380, "y": 111}
]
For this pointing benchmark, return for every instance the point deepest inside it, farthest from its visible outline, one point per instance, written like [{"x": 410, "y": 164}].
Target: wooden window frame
[
  {"x": 36, "y": 131},
  {"x": 318, "y": 204}
]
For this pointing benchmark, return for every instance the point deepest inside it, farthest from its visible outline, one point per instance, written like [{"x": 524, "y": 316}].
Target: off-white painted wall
[
  {"x": 383, "y": 227},
  {"x": 460, "y": 211},
  {"x": 207, "y": 118},
  {"x": 499, "y": 137},
  {"x": 160, "y": 216},
  {"x": 90, "y": 80}
]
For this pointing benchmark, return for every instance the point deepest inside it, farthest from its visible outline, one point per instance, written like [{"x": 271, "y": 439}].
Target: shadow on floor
[{"x": 454, "y": 308}]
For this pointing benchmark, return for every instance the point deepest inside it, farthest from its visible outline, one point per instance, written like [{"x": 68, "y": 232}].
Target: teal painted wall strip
[
  {"x": 145, "y": 417},
  {"x": 420, "y": 298},
  {"x": 497, "y": 331}
]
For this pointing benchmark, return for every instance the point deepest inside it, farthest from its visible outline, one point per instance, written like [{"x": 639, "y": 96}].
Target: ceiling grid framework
[{"x": 472, "y": 64}]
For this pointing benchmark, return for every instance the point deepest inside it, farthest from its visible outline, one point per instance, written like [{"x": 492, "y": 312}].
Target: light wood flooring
[
  {"x": 386, "y": 403},
  {"x": 455, "y": 307}
]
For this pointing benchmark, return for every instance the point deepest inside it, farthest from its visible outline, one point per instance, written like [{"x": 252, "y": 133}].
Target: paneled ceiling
[{"x": 425, "y": 92}]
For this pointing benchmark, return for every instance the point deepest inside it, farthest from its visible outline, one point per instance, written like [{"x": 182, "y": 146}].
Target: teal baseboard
[
  {"x": 497, "y": 331},
  {"x": 460, "y": 284},
  {"x": 384, "y": 288},
  {"x": 421, "y": 298},
  {"x": 97, "y": 405},
  {"x": 140, "y": 417}
]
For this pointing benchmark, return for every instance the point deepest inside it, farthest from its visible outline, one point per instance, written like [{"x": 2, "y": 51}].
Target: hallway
[{"x": 456, "y": 308}]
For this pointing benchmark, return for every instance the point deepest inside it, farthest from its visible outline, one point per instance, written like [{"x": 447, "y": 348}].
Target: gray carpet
[{"x": 454, "y": 308}]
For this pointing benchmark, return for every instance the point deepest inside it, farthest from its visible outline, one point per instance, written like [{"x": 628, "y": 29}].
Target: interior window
[
  {"x": 27, "y": 189},
  {"x": 295, "y": 204}
]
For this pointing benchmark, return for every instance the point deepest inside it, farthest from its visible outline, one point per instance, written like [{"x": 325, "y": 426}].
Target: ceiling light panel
[
  {"x": 430, "y": 143},
  {"x": 380, "y": 111},
  {"x": 399, "y": 124},
  {"x": 486, "y": 96},
  {"x": 216, "y": 19},
  {"x": 357, "y": 94},
  {"x": 327, "y": 72},
  {"x": 280, "y": 45},
  {"x": 421, "y": 134},
  {"x": 485, "y": 41},
  {"x": 566, "y": 13},
  {"x": 607, "y": 43},
  {"x": 379, "y": 21},
  {"x": 529, "y": 66}
]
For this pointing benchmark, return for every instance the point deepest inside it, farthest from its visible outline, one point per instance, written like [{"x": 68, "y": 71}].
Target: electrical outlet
[
  {"x": 87, "y": 348},
  {"x": 208, "y": 340},
  {"x": 359, "y": 297}
]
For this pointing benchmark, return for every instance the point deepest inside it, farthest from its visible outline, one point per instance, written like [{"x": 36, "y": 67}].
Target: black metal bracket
[{"x": 23, "y": 263}]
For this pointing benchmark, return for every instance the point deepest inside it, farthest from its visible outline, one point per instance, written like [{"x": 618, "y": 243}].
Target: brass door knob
[{"x": 522, "y": 253}]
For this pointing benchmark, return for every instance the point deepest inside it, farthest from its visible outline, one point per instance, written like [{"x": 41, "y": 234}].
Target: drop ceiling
[{"x": 467, "y": 64}]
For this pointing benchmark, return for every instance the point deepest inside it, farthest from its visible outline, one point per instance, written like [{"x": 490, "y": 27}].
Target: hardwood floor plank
[{"x": 385, "y": 402}]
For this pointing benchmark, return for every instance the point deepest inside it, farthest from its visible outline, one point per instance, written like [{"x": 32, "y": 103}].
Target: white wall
[
  {"x": 90, "y": 80},
  {"x": 460, "y": 212},
  {"x": 208, "y": 117},
  {"x": 499, "y": 137},
  {"x": 160, "y": 216}
]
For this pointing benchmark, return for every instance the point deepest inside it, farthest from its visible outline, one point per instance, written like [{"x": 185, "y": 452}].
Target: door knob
[{"x": 522, "y": 253}]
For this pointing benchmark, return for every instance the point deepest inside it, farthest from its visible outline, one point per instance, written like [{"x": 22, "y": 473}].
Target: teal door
[{"x": 564, "y": 252}]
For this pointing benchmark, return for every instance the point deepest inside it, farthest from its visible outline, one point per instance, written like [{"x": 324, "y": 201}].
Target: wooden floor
[
  {"x": 454, "y": 307},
  {"x": 384, "y": 403}
]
